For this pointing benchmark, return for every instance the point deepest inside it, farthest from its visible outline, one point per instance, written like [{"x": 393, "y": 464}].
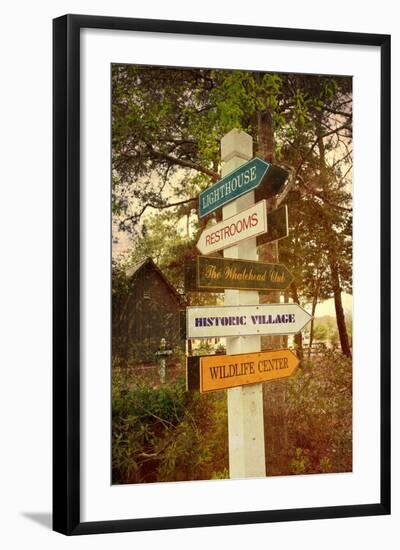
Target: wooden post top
[{"x": 236, "y": 144}]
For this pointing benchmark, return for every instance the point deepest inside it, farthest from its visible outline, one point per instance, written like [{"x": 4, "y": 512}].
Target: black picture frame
[{"x": 66, "y": 273}]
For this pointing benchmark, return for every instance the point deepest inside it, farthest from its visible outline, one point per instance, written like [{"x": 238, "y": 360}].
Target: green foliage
[
  {"x": 334, "y": 339},
  {"x": 166, "y": 433},
  {"x": 163, "y": 239},
  {"x": 167, "y": 125},
  {"x": 321, "y": 332},
  {"x": 234, "y": 99},
  {"x": 169, "y": 239},
  {"x": 319, "y": 415},
  {"x": 224, "y": 474},
  {"x": 204, "y": 348},
  {"x": 300, "y": 462}
]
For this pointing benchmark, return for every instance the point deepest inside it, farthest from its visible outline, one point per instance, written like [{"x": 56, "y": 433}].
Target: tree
[
  {"x": 321, "y": 332},
  {"x": 167, "y": 126}
]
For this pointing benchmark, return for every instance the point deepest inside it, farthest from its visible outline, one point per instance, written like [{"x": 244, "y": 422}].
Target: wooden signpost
[
  {"x": 235, "y": 229},
  {"x": 245, "y": 403},
  {"x": 262, "y": 319},
  {"x": 256, "y": 173},
  {"x": 242, "y": 319},
  {"x": 218, "y": 372},
  {"x": 214, "y": 274}
]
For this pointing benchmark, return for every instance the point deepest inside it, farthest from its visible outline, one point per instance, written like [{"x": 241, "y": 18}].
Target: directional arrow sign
[
  {"x": 254, "y": 174},
  {"x": 262, "y": 319},
  {"x": 214, "y": 274},
  {"x": 248, "y": 223},
  {"x": 217, "y": 372}
]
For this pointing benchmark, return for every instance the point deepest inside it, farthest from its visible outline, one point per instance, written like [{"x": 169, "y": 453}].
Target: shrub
[
  {"x": 166, "y": 433},
  {"x": 319, "y": 414}
]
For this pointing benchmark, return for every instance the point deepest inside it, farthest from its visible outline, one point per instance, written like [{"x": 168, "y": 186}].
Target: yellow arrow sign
[{"x": 218, "y": 372}]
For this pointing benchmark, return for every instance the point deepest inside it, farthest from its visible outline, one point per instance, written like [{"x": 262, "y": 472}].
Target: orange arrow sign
[{"x": 218, "y": 372}]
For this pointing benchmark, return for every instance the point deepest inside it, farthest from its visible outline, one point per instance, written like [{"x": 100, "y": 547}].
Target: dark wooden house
[{"x": 146, "y": 308}]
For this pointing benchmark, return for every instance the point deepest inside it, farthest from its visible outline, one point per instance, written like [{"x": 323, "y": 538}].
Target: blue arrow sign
[{"x": 253, "y": 174}]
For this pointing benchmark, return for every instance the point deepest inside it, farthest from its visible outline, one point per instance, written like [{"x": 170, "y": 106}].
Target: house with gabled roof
[{"x": 145, "y": 311}]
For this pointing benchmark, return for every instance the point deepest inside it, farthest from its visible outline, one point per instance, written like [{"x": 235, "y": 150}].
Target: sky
[{"x": 327, "y": 307}]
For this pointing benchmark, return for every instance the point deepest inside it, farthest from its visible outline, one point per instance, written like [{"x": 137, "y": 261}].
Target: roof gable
[{"x": 133, "y": 271}]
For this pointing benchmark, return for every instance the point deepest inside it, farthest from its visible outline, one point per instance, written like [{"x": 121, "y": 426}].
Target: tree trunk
[
  {"x": 274, "y": 393},
  {"x": 313, "y": 308},
  {"x": 265, "y": 135},
  {"x": 285, "y": 339},
  {"x": 340, "y": 319},
  {"x": 337, "y": 291},
  {"x": 268, "y": 252},
  {"x": 298, "y": 338}
]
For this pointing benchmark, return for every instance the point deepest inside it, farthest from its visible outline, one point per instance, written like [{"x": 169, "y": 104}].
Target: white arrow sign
[
  {"x": 262, "y": 319},
  {"x": 248, "y": 223}
]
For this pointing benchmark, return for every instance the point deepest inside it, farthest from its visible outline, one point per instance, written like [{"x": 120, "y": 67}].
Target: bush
[
  {"x": 166, "y": 433},
  {"x": 319, "y": 415}
]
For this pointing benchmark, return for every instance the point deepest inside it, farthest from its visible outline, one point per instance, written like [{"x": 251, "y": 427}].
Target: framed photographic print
[{"x": 221, "y": 274}]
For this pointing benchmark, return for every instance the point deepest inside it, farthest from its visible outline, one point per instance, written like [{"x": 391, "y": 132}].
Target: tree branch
[
  {"x": 323, "y": 198},
  {"x": 342, "y": 159},
  {"x": 288, "y": 187},
  {"x": 157, "y": 206},
  {"x": 338, "y": 112},
  {"x": 304, "y": 157},
  {"x": 184, "y": 163}
]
